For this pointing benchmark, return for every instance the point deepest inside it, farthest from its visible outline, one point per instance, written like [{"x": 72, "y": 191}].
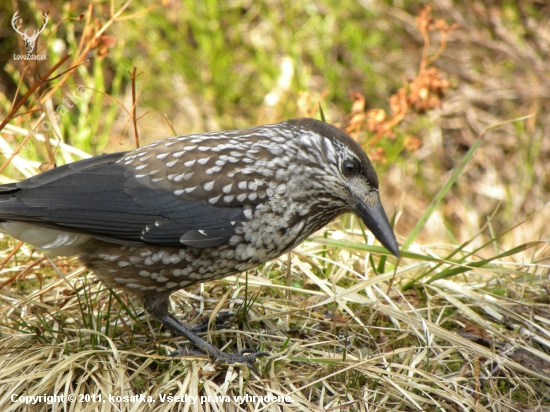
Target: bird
[{"x": 195, "y": 208}]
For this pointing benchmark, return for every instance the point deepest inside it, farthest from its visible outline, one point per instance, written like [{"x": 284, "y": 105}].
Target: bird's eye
[{"x": 350, "y": 167}]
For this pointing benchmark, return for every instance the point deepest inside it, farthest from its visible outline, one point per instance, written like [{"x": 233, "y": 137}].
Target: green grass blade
[{"x": 446, "y": 187}]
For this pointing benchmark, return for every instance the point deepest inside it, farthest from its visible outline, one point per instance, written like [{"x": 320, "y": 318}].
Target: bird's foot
[{"x": 201, "y": 347}]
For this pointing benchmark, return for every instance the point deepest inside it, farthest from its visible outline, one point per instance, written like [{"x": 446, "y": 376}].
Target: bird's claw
[{"x": 245, "y": 356}]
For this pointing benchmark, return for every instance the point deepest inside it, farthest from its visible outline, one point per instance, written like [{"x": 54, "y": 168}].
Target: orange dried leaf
[
  {"x": 412, "y": 143},
  {"x": 378, "y": 155}
]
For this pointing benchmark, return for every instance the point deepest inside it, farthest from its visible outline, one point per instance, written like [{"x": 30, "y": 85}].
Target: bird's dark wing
[{"x": 104, "y": 199}]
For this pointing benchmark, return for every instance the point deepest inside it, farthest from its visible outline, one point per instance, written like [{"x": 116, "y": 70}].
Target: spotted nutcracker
[{"x": 194, "y": 208}]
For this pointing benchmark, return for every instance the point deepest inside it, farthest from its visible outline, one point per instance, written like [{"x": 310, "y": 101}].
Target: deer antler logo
[{"x": 30, "y": 41}]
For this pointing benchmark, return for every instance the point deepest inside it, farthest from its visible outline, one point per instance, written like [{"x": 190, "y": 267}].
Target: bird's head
[{"x": 339, "y": 165}]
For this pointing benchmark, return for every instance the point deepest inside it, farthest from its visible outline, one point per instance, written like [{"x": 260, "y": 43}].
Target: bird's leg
[{"x": 158, "y": 308}]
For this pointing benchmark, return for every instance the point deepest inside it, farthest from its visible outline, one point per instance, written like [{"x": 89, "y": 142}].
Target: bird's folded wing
[{"x": 99, "y": 197}]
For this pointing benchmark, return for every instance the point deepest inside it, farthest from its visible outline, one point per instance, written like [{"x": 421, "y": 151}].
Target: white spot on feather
[
  {"x": 122, "y": 280},
  {"x": 179, "y": 177},
  {"x": 214, "y": 199},
  {"x": 214, "y": 169},
  {"x": 209, "y": 185}
]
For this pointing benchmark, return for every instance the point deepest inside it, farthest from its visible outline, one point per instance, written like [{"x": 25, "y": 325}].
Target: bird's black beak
[{"x": 377, "y": 222}]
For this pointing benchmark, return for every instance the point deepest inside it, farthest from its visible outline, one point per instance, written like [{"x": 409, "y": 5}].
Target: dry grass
[
  {"x": 460, "y": 323},
  {"x": 340, "y": 338}
]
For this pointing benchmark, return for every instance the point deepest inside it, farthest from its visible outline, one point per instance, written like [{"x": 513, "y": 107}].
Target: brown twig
[
  {"x": 23, "y": 272},
  {"x": 18, "y": 148},
  {"x": 70, "y": 69},
  {"x": 35, "y": 86},
  {"x": 14, "y": 250},
  {"x": 134, "y": 105}
]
